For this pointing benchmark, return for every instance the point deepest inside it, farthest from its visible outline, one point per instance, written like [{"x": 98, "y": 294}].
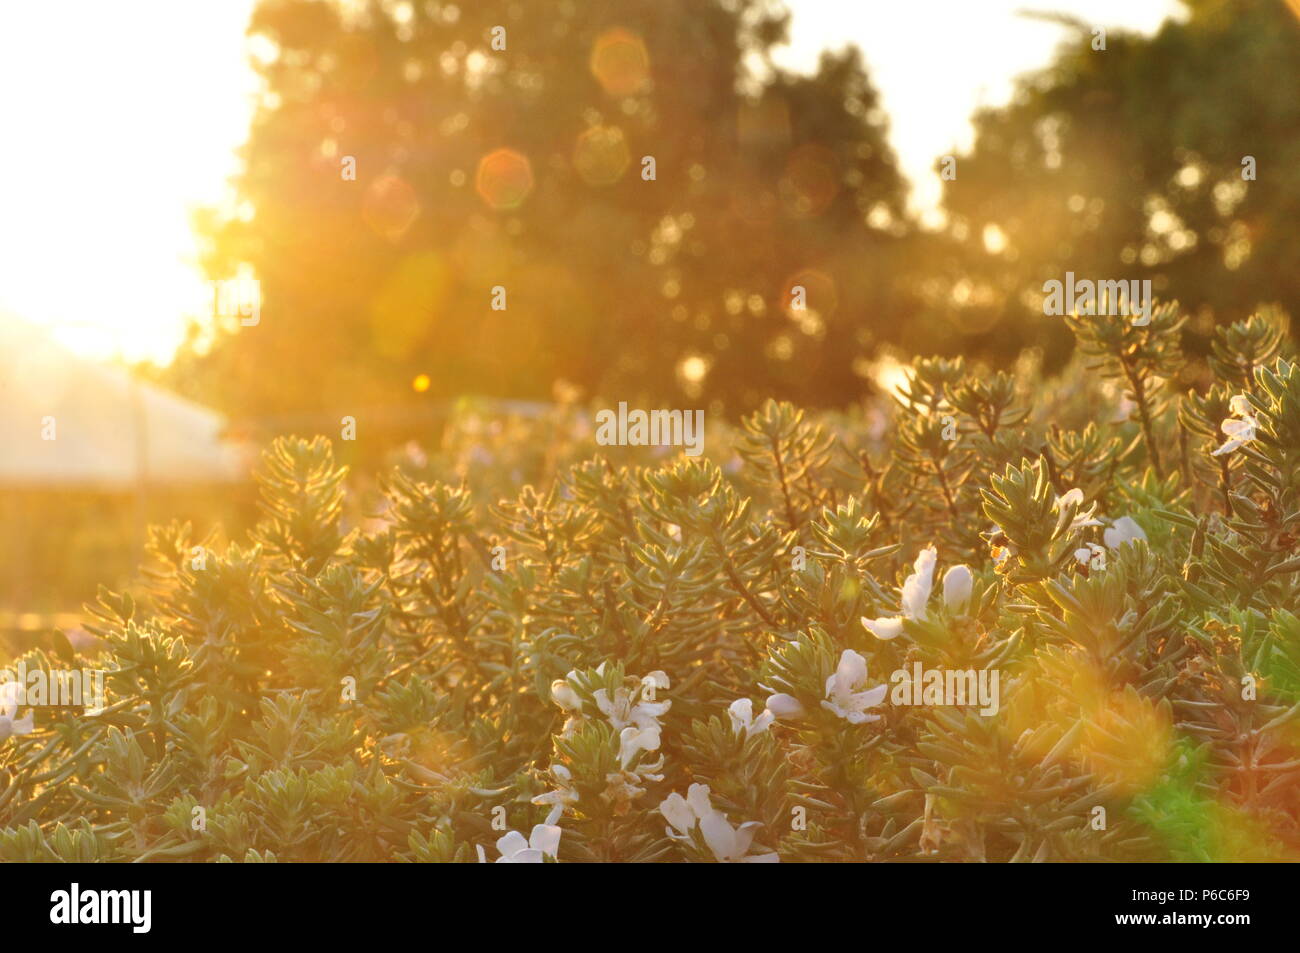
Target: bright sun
[{"x": 118, "y": 119}]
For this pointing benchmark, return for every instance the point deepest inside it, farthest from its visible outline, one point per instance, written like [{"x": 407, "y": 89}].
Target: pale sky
[
  {"x": 934, "y": 62},
  {"x": 118, "y": 118}
]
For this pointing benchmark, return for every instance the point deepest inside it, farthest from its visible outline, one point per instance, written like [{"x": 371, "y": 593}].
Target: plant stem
[{"x": 1138, "y": 386}]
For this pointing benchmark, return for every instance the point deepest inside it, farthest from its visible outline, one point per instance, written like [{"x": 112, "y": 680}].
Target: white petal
[
  {"x": 1240, "y": 405},
  {"x": 510, "y": 844},
  {"x": 762, "y": 722},
  {"x": 957, "y": 585},
  {"x": 884, "y": 629},
  {"x": 784, "y": 706},
  {"x": 562, "y": 694},
  {"x": 720, "y": 837},
  {"x": 697, "y": 796},
  {"x": 632, "y": 741},
  {"x": 851, "y": 671},
  {"x": 9, "y": 692},
  {"x": 1123, "y": 530},
  {"x": 546, "y": 838},
  {"x": 1073, "y": 495},
  {"x": 745, "y": 836},
  {"x": 1245, "y": 428},
  {"x": 916, "y": 587},
  {"x": 525, "y": 856},
  {"x": 677, "y": 812},
  {"x": 1080, "y": 520},
  {"x": 741, "y": 712},
  {"x": 648, "y": 711},
  {"x": 870, "y": 699},
  {"x": 835, "y": 709}
]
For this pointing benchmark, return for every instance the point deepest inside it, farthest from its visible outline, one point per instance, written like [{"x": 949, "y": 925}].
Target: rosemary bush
[{"x": 656, "y": 658}]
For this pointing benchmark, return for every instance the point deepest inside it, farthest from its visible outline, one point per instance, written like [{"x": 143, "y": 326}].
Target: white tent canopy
[{"x": 110, "y": 430}]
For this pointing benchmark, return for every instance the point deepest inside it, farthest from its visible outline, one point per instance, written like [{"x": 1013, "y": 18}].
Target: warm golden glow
[
  {"x": 504, "y": 179},
  {"x": 620, "y": 63},
  {"x": 390, "y": 206},
  {"x": 601, "y": 155},
  {"x": 119, "y": 120},
  {"x": 121, "y": 274}
]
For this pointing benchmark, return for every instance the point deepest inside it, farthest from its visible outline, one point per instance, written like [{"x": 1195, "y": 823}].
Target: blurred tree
[
  {"x": 502, "y": 145},
  {"x": 1128, "y": 162}
]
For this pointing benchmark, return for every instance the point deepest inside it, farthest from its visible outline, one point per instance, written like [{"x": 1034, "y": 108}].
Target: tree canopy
[
  {"x": 522, "y": 176},
  {"x": 1173, "y": 158},
  {"x": 631, "y": 201}
]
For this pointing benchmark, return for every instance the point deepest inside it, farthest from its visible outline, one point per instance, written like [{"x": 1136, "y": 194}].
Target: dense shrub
[{"x": 674, "y": 658}]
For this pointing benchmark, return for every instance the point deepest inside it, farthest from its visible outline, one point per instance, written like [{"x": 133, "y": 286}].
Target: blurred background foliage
[
  {"x": 522, "y": 168},
  {"x": 1130, "y": 163}
]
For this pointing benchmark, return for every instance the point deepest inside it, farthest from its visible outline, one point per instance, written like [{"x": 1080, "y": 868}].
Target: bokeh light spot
[
  {"x": 601, "y": 155},
  {"x": 504, "y": 179},
  {"x": 692, "y": 369},
  {"x": 820, "y": 295},
  {"x": 812, "y": 179},
  {"x": 390, "y": 206},
  {"x": 620, "y": 62}
]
